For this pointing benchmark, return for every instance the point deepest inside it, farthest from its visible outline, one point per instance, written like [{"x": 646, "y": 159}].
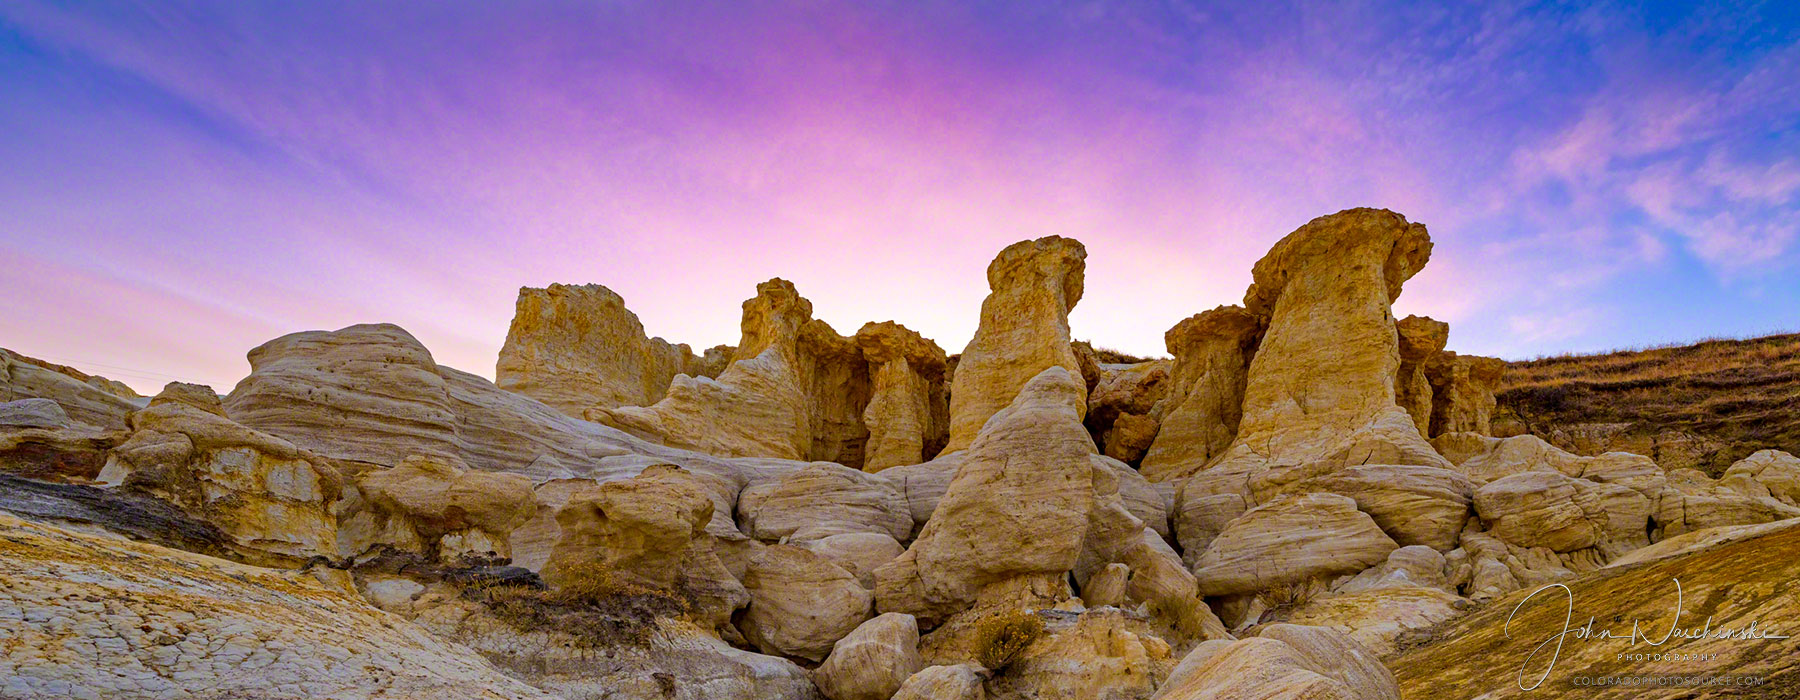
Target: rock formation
[
  {"x": 801, "y": 604},
  {"x": 437, "y": 507},
  {"x": 1200, "y": 413},
  {"x": 873, "y": 661},
  {"x": 95, "y": 401},
  {"x": 908, "y": 412},
  {"x": 1421, "y": 340},
  {"x": 577, "y": 347},
  {"x": 1462, "y": 389},
  {"x": 1024, "y": 330}
]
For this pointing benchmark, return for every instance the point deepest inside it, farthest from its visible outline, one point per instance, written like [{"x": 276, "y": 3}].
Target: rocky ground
[{"x": 1310, "y": 499}]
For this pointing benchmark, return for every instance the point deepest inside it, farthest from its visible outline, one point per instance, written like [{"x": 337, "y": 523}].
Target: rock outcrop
[
  {"x": 99, "y": 617},
  {"x": 873, "y": 662},
  {"x": 801, "y": 604},
  {"x": 1024, "y": 330},
  {"x": 577, "y": 347},
  {"x": 821, "y": 500},
  {"x": 273, "y": 498},
  {"x": 1462, "y": 391},
  {"x": 96, "y": 401},
  {"x": 1200, "y": 413},
  {"x": 908, "y": 413},
  {"x": 1120, "y": 404},
  {"x": 40, "y": 441},
  {"x": 1421, "y": 340},
  {"x": 437, "y": 507},
  {"x": 1291, "y": 540}
]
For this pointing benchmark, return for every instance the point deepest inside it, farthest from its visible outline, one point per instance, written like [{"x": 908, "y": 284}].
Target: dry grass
[
  {"x": 1109, "y": 356},
  {"x": 1185, "y": 613},
  {"x": 1742, "y": 393},
  {"x": 1000, "y": 639},
  {"x": 1290, "y": 596},
  {"x": 592, "y": 605}
]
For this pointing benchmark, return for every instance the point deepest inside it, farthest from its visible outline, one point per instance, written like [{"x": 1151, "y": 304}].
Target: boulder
[
  {"x": 1199, "y": 414},
  {"x": 821, "y": 500},
  {"x": 1691, "y": 501},
  {"x": 874, "y": 661},
  {"x": 1421, "y": 339},
  {"x": 958, "y": 682},
  {"x": 1291, "y": 540},
  {"x": 1413, "y": 504},
  {"x": 1024, "y": 330},
  {"x": 38, "y": 440},
  {"x": 1096, "y": 654},
  {"x": 908, "y": 416},
  {"x": 1338, "y": 656},
  {"x": 1130, "y": 393},
  {"x": 1548, "y": 509},
  {"x": 1130, "y": 437},
  {"x": 1777, "y": 472},
  {"x": 440, "y": 508},
  {"x": 801, "y": 604},
  {"x": 1258, "y": 669},
  {"x": 576, "y": 347},
  {"x": 859, "y": 553},
  {"x": 273, "y": 498},
  {"x": 33, "y": 413},
  {"x": 1462, "y": 390}
]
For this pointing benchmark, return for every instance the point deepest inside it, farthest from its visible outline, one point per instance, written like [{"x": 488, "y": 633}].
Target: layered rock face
[
  {"x": 94, "y": 401},
  {"x": 908, "y": 413},
  {"x": 1462, "y": 389},
  {"x": 1024, "y": 330},
  {"x": 1200, "y": 414},
  {"x": 1421, "y": 340},
  {"x": 273, "y": 499},
  {"x": 577, "y": 347},
  {"x": 437, "y": 507}
]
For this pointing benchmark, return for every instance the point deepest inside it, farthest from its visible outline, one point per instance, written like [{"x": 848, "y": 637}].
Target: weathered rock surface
[
  {"x": 96, "y": 617},
  {"x": 801, "y": 604},
  {"x": 1324, "y": 665},
  {"x": 575, "y": 347},
  {"x": 1413, "y": 504},
  {"x": 1321, "y": 385},
  {"x": 437, "y": 506},
  {"x": 1421, "y": 339},
  {"x": 1200, "y": 413},
  {"x": 1462, "y": 389},
  {"x": 1548, "y": 509},
  {"x": 88, "y": 399},
  {"x": 873, "y": 662},
  {"x": 1024, "y": 330},
  {"x": 272, "y": 498},
  {"x": 39, "y": 440},
  {"x": 1003, "y": 515},
  {"x": 1291, "y": 539},
  {"x": 1119, "y": 407},
  {"x": 821, "y": 500},
  {"x": 1777, "y": 472},
  {"x": 908, "y": 416},
  {"x": 859, "y": 553},
  {"x": 958, "y": 682},
  {"x": 1096, "y": 654}
]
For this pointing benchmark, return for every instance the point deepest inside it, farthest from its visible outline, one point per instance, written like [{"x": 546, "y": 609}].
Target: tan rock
[
  {"x": 1548, "y": 509},
  {"x": 756, "y": 408},
  {"x": 102, "y": 617},
  {"x": 88, "y": 399},
  {"x": 873, "y": 662},
  {"x": 1003, "y": 515},
  {"x": 859, "y": 553},
  {"x": 1776, "y": 471},
  {"x": 801, "y": 604},
  {"x": 1421, "y": 339},
  {"x": 451, "y": 510},
  {"x": 1321, "y": 385},
  {"x": 908, "y": 413},
  {"x": 1200, "y": 413},
  {"x": 821, "y": 500},
  {"x": 1462, "y": 389},
  {"x": 39, "y": 441},
  {"x": 1107, "y": 586},
  {"x": 1691, "y": 502},
  {"x": 1024, "y": 330},
  {"x": 641, "y": 529},
  {"x": 1413, "y": 504},
  {"x": 1128, "y": 390},
  {"x": 1130, "y": 437},
  {"x": 959, "y": 682},
  {"x": 274, "y": 499},
  {"x": 1099, "y": 654},
  {"x": 577, "y": 346},
  {"x": 1291, "y": 539},
  {"x": 1257, "y": 669}
]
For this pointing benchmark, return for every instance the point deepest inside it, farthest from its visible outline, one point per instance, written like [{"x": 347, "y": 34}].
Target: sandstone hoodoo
[{"x": 1308, "y": 498}]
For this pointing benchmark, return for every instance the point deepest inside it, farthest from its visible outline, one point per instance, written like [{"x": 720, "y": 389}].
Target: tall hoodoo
[
  {"x": 1024, "y": 330},
  {"x": 1421, "y": 339},
  {"x": 1321, "y": 386},
  {"x": 576, "y": 347},
  {"x": 905, "y": 416}
]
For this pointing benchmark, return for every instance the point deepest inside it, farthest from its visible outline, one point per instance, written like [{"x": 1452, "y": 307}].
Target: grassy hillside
[{"x": 1703, "y": 405}]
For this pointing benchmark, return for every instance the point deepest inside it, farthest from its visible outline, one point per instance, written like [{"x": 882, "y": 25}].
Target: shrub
[
  {"x": 1185, "y": 613},
  {"x": 1000, "y": 638}
]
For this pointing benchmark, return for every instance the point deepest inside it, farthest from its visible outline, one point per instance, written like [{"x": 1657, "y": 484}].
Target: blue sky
[{"x": 187, "y": 180}]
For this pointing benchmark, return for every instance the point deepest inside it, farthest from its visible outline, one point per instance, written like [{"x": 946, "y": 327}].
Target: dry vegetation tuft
[
  {"x": 592, "y": 605},
  {"x": 1000, "y": 638}
]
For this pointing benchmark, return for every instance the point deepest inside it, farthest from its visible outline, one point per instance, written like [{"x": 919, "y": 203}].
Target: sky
[{"x": 180, "y": 182}]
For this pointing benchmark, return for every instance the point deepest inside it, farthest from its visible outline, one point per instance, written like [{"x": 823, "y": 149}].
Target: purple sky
[{"x": 182, "y": 182}]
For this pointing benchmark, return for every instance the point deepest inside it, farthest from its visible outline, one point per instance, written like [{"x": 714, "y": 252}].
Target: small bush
[
  {"x": 591, "y": 604},
  {"x": 1291, "y": 595},
  {"x": 1001, "y": 638}
]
